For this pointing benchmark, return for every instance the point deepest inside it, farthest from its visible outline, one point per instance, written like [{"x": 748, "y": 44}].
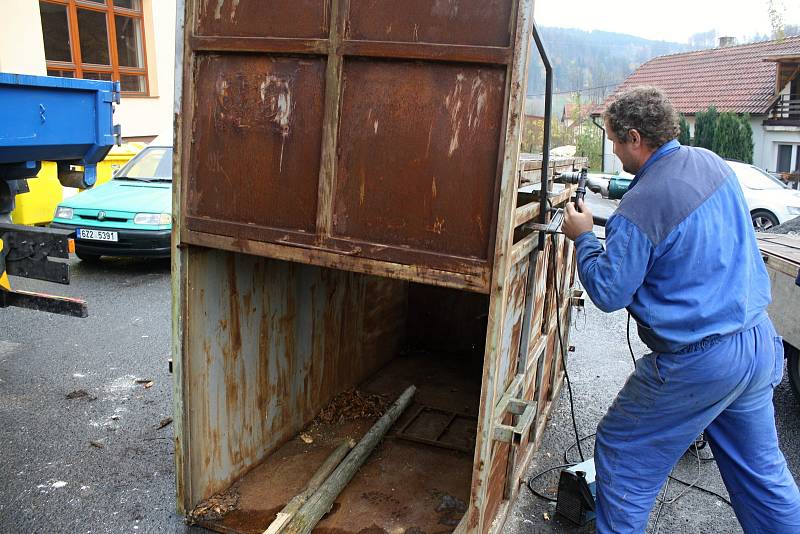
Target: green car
[{"x": 131, "y": 215}]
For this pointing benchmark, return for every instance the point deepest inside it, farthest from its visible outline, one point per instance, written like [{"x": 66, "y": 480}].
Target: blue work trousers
[{"x": 723, "y": 387}]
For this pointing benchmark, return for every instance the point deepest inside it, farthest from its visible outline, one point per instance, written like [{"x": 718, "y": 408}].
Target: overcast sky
[{"x": 673, "y": 20}]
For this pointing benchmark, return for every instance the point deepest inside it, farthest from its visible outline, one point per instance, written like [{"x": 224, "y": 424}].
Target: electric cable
[
  {"x": 628, "y": 335},
  {"x": 539, "y": 475},
  {"x": 704, "y": 490},
  {"x": 578, "y": 440},
  {"x": 561, "y": 348}
]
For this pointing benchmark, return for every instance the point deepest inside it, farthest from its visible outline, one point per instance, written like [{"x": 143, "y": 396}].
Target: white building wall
[
  {"x": 22, "y": 52},
  {"x": 21, "y": 41},
  {"x": 765, "y": 145},
  {"x": 149, "y": 116},
  {"x": 774, "y": 136}
]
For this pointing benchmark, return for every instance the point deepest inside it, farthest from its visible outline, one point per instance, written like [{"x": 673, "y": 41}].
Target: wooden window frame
[{"x": 77, "y": 67}]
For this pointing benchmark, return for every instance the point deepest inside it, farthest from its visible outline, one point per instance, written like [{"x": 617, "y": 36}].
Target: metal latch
[
  {"x": 576, "y": 298},
  {"x": 552, "y": 227},
  {"x": 524, "y": 412}
]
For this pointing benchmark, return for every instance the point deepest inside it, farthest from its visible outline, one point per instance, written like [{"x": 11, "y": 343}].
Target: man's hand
[{"x": 577, "y": 222}]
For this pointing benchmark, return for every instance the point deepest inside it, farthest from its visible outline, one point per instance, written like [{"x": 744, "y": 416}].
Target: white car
[{"x": 771, "y": 203}]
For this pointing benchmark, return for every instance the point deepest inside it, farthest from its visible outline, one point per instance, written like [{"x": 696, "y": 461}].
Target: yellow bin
[{"x": 38, "y": 206}]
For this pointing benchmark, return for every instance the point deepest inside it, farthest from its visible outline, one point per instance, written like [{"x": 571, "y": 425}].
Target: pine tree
[
  {"x": 704, "y": 127},
  {"x": 746, "y": 139},
  {"x": 685, "y": 137},
  {"x": 727, "y": 137}
]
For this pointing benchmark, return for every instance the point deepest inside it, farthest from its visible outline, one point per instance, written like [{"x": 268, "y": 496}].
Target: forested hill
[{"x": 594, "y": 62}]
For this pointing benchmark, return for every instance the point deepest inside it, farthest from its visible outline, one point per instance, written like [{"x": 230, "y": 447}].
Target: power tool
[{"x": 612, "y": 187}]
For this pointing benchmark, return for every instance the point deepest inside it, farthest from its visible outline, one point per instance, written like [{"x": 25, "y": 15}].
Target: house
[
  {"x": 574, "y": 115},
  {"x": 762, "y": 79},
  {"x": 132, "y": 41}
]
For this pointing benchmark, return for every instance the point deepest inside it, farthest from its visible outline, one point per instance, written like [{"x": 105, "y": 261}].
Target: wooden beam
[
  {"x": 322, "y": 474},
  {"x": 321, "y": 502}
]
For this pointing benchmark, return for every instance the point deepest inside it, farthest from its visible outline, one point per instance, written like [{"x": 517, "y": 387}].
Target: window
[
  {"x": 784, "y": 158},
  {"x": 96, "y": 40}
]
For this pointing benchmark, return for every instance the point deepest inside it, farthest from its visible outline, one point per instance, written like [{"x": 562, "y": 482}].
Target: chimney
[{"x": 725, "y": 42}]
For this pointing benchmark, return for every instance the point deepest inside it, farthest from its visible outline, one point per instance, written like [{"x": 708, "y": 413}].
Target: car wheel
[
  {"x": 763, "y": 220},
  {"x": 793, "y": 355},
  {"x": 88, "y": 258}
]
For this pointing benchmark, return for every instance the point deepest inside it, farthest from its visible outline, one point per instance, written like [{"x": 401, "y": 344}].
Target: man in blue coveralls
[{"x": 681, "y": 256}]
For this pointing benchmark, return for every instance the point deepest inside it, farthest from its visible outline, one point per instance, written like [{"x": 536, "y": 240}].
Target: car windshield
[
  {"x": 149, "y": 165},
  {"x": 754, "y": 178}
]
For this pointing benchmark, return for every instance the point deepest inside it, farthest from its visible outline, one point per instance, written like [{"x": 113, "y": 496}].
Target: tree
[
  {"x": 704, "y": 125},
  {"x": 685, "y": 137},
  {"x": 726, "y": 136},
  {"x": 733, "y": 137},
  {"x": 590, "y": 144},
  {"x": 746, "y": 139},
  {"x": 775, "y": 9}
]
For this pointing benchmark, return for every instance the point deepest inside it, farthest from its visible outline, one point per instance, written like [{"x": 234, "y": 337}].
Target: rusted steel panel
[
  {"x": 403, "y": 178},
  {"x": 264, "y": 18},
  {"x": 464, "y": 22},
  {"x": 414, "y": 183},
  {"x": 275, "y": 342},
  {"x": 418, "y": 164},
  {"x": 257, "y": 141}
]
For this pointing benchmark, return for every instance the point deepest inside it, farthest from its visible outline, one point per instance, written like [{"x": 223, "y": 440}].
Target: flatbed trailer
[{"x": 781, "y": 253}]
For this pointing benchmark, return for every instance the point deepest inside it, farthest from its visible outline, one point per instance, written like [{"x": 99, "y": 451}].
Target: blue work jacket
[{"x": 680, "y": 254}]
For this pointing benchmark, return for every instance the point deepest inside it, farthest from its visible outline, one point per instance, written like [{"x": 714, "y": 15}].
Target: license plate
[{"x": 97, "y": 235}]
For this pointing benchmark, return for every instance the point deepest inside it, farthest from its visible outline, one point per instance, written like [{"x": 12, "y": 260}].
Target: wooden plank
[
  {"x": 322, "y": 474},
  {"x": 180, "y": 257},
  {"x": 783, "y": 246},
  {"x": 321, "y": 502},
  {"x": 330, "y": 126},
  {"x": 523, "y": 249},
  {"x": 526, "y": 213},
  {"x": 428, "y": 51}
]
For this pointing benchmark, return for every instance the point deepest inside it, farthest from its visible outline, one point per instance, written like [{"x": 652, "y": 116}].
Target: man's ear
[{"x": 635, "y": 136}]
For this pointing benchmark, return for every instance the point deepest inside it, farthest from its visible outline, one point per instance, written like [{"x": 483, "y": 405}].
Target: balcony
[{"x": 784, "y": 112}]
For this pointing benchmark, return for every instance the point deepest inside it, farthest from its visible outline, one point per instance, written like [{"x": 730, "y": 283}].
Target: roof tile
[{"x": 734, "y": 78}]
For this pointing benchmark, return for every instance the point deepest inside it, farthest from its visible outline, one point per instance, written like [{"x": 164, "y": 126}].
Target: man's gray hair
[{"x": 648, "y": 111}]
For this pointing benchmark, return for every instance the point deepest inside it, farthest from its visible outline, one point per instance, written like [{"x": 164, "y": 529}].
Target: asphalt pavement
[
  {"x": 101, "y": 462},
  {"x": 96, "y": 462}
]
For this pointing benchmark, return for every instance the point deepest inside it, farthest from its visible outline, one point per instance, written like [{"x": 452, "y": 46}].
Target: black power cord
[
  {"x": 628, "y": 335},
  {"x": 556, "y": 285},
  {"x": 579, "y": 440}
]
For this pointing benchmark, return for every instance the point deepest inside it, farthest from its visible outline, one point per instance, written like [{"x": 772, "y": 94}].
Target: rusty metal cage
[{"x": 347, "y": 187}]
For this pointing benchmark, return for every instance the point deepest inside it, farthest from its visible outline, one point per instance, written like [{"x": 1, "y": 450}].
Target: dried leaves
[
  {"x": 351, "y": 405},
  {"x": 214, "y": 508}
]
